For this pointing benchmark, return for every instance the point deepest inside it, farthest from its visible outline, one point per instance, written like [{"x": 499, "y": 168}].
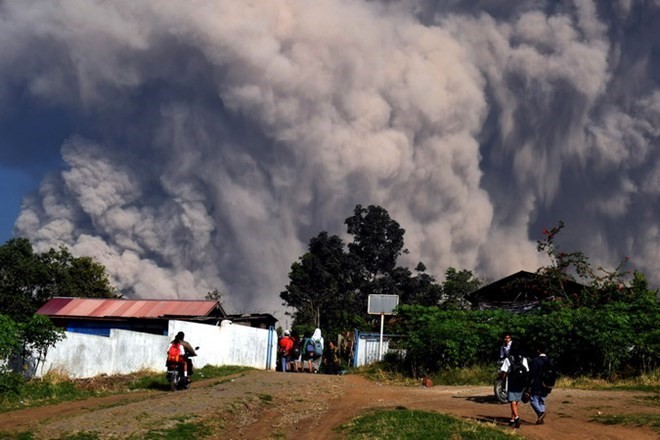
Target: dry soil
[{"x": 269, "y": 405}]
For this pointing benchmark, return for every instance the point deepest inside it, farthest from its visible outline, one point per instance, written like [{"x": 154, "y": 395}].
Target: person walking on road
[
  {"x": 541, "y": 364},
  {"x": 516, "y": 370}
]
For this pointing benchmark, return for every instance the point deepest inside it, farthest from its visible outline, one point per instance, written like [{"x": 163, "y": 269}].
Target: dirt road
[{"x": 262, "y": 405}]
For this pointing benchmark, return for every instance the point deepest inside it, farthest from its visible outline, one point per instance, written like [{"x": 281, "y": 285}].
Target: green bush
[
  {"x": 11, "y": 384},
  {"x": 611, "y": 340},
  {"x": 9, "y": 338}
]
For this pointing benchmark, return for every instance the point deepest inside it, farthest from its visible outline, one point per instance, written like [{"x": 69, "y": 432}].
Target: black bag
[
  {"x": 518, "y": 374},
  {"x": 548, "y": 376},
  {"x": 526, "y": 395}
]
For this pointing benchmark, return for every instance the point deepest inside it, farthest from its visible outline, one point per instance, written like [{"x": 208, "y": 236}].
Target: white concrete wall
[
  {"x": 367, "y": 351},
  {"x": 82, "y": 355}
]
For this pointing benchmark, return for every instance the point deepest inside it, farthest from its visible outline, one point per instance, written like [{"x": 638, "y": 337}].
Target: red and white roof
[{"x": 100, "y": 308}]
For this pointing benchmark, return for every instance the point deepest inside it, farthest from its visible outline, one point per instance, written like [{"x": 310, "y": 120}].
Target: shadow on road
[{"x": 488, "y": 399}]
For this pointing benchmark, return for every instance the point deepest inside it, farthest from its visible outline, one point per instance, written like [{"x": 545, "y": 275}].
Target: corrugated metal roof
[{"x": 127, "y": 308}]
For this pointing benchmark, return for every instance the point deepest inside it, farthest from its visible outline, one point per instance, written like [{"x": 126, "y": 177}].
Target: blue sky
[
  {"x": 13, "y": 184},
  {"x": 30, "y": 137}
]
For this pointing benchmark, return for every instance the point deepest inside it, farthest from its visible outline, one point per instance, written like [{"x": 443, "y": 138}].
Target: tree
[
  {"x": 320, "y": 285},
  {"x": 602, "y": 286},
  {"x": 37, "y": 336},
  {"x": 10, "y": 342},
  {"x": 563, "y": 267},
  {"x": 377, "y": 239},
  {"x": 329, "y": 285},
  {"x": 19, "y": 274},
  {"x": 456, "y": 286},
  {"x": 67, "y": 275},
  {"x": 215, "y": 295},
  {"x": 420, "y": 289},
  {"x": 28, "y": 279}
]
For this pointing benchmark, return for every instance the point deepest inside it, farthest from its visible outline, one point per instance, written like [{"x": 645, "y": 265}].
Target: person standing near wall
[
  {"x": 295, "y": 355},
  {"x": 317, "y": 340},
  {"x": 331, "y": 361},
  {"x": 285, "y": 344}
]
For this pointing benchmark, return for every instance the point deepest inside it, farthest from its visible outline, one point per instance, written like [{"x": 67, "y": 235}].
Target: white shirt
[{"x": 506, "y": 365}]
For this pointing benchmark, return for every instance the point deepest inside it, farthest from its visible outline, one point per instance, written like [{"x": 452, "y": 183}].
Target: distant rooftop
[{"x": 105, "y": 308}]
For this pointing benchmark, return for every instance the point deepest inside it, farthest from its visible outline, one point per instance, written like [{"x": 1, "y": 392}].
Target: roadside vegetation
[
  {"x": 54, "y": 388},
  {"x": 650, "y": 420},
  {"x": 405, "y": 424},
  {"x": 183, "y": 429},
  {"x": 483, "y": 375}
]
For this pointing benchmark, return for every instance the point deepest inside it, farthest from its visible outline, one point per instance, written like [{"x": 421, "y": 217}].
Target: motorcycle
[
  {"x": 175, "y": 374},
  {"x": 500, "y": 386}
]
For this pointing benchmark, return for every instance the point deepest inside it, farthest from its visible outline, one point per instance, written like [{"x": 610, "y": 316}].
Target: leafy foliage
[
  {"x": 601, "y": 286},
  {"x": 10, "y": 342},
  {"x": 22, "y": 342},
  {"x": 37, "y": 336},
  {"x": 378, "y": 240},
  {"x": 329, "y": 285},
  {"x": 608, "y": 341},
  {"x": 456, "y": 286},
  {"x": 29, "y": 279}
]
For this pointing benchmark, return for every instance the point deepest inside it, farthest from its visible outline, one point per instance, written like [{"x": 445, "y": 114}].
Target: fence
[
  {"x": 82, "y": 355},
  {"x": 367, "y": 347}
]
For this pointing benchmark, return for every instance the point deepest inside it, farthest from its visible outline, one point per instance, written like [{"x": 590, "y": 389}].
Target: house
[
  {"x": 518, "y": 292},
  {"x": 98, "y": 315},
  {"x": 256, "y": 320}
]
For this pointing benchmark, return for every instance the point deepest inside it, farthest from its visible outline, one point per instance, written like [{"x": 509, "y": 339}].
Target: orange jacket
[{"x": 285, "y": 344}]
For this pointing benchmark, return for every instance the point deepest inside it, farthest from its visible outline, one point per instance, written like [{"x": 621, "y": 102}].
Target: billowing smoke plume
[{"x": 208, "y": 141}]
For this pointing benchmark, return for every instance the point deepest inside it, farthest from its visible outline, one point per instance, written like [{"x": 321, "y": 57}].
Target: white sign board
[{"x": 382, "y": 304}]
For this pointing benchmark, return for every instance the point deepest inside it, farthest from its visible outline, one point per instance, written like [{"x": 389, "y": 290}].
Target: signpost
[{"x": 382, "y": 305}]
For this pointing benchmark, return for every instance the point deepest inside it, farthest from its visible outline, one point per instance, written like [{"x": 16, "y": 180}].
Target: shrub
[{"x": 611, "y": 340}]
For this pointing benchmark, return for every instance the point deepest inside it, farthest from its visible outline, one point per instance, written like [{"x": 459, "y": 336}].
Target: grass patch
[
  {"x": 266, "y": 398},
  {"x": 654, "y": 398},
  {"x": 17, "y": 436},
  {"x": 479, "y": 375},
  {"x": 158, "y": 381},
  {"x": 45, "y": 391},
  {"x": 650, "y": 420},
  {"x": 404, "y": 424},
  {"x": 649, "y": 383},
  {"x": 181, "y": 431},
  {"x": 484, "y": 375},
  {"x": 384, "y": 373},
  {"x": 476, "y": 376},
  {"x": 54, "y": 388},
  {"x": 81, "y": 436}
]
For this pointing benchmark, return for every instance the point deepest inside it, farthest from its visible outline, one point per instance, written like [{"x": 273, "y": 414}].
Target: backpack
[
  {"x": 548, "y": 376},
  {"x": 517, "y": 373},
  {"x": 310, "y": 346},
  {"x": 318, "y": 348},
  {"x": 174, "y": 352}
]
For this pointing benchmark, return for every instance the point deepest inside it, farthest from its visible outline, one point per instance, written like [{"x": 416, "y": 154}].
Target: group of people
[
  {"x": 300, "y": 354},
  {"x": 306, "y": 354},
  {"x": 525, "y": 379}
]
